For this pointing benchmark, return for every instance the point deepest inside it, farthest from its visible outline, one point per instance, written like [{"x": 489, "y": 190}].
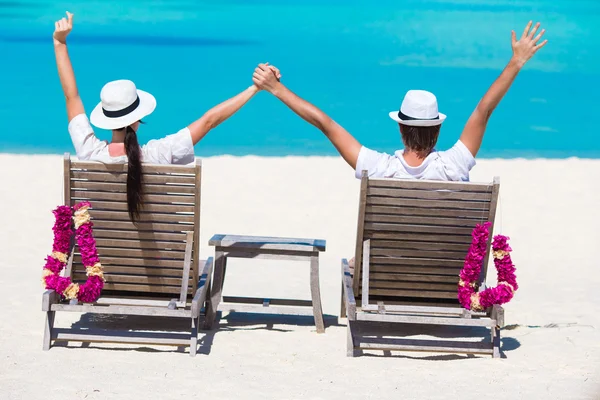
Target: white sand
[{"x": 552, "y": 345}]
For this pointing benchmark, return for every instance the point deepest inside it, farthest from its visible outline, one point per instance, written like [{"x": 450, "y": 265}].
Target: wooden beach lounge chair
[
  {"x": 411, "y": 242},
  {"x": 152, "y": 269}
]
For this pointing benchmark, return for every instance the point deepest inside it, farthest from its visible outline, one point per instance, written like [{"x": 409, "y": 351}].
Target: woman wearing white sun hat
[
  {"x": 419, "y": 121},
  {"x": 121, "y": 110}
]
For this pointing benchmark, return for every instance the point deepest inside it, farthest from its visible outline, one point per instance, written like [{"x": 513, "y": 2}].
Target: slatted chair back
[
  {"x": 157, "y": 256},
  {"x": 417, "y": 234}
]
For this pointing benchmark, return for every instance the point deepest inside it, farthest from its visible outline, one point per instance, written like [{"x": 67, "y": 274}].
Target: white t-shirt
[
  {"x": 450, "y": 165},
  {"x": 172, "y": 149}
]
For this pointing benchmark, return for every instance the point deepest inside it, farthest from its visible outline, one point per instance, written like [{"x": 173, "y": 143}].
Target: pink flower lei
[
  {"x": 468, "y": 296},
  {"x": 65, "y": 216}
]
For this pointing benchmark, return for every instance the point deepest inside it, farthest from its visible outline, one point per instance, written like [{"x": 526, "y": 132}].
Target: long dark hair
[{"x": 134, "y": 174}]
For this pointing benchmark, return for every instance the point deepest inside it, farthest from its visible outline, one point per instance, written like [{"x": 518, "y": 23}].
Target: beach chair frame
[
  {"x": 412, "y": 238},
  {"x": 152, "y": 268}
]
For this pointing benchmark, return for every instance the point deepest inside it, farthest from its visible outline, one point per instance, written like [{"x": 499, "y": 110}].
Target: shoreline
[{"x": 318, "y": 156}]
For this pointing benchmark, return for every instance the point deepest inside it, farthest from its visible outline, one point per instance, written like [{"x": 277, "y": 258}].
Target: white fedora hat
[
  {"x": 419, "y": 108},
  {"x": 121, "y": 105}
]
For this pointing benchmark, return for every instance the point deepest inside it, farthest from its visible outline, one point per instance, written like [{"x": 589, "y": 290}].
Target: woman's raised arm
[{"x": 62, "y": 28}]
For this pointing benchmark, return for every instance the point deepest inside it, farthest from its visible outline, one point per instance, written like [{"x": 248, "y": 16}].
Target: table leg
[
  {"x": 217, "y": 289},
  {"x": 315, "y": 292}
]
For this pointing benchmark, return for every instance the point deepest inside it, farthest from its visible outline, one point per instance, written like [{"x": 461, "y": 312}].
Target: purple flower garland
[
  {"x": 468, "y": 296},
  {"x": 63, "y": 231}
]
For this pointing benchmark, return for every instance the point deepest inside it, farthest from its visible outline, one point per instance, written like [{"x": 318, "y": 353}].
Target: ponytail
[{"x": 134, "y": 174}]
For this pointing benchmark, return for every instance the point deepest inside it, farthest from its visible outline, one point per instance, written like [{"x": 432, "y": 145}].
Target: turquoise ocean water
[{"x": 354, "y": 59}]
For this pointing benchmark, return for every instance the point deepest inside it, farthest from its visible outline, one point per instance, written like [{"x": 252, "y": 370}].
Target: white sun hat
[
  {"x": 121, "y": 105},
  {"x": 419, "y": 108}
]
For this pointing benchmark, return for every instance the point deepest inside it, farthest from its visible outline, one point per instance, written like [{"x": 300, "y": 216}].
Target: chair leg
[
  {"x": 343, "y": 303},
  {"x": 315, "y": 292},
  {"x": 217, "y": 288},
  {"x": 48, "y": 330},
  {"x": 496, "y": 341},
  {"x": 194, "y": 336},
  {"x": 351, "y": 350}
]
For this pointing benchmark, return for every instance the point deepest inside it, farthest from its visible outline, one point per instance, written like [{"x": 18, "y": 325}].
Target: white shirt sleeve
[
  {"x": 172, "y": 149},
  {"x": 375, "y": 163},
  {"x": 85, "y": 142},
  {"x": 458, "y": 161}
]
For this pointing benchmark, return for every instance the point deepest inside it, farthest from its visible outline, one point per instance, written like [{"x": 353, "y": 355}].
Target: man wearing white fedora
[
  {"x": 121, "y": 110},
  {"x": 419, "y": 121}
]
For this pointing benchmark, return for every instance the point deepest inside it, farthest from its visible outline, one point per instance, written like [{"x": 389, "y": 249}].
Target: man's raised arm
[
  {"x": 348, "y": 147},
  {"x": 523, "y": 50}
]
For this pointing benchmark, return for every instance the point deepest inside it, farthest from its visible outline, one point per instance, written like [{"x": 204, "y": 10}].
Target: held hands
[
  {"x": 266, "y": 77},
  {"x": 62, "y": 28},
  {"x": 526, "y": 46}
]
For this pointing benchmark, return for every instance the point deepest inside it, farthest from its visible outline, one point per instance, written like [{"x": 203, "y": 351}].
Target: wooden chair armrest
[
  {"x": 203, "y": 285},
  {"x": 48, "y": 298},
  {"x": 348, "y": 291}
]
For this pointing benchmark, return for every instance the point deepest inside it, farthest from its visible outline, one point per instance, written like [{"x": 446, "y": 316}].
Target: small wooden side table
[{"x": 257, "y": 247}]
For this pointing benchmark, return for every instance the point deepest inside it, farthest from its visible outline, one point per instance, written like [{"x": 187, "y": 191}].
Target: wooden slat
[
  {"x": 401, "y": 244},
  {"x": 433, "y": 254},
  {"x": 136, "y": 235},
  {"x": 429, "y": 185},
  {"x": 365, "y": 273},
  {"x": 148, "y": 198},
  {"x": 136, "y": 301},
  {"x": 110, "y": 269},
  {"x": 378, "y": 226},
  {"x": 144, "y": 216},
  {"x": 251, "y": 308},
  {"x": 197, "y": 209},
  {"x": 477, "y": 215},
  {"x": 149, "y": 262},
  {"x": 442, "y": 287},
  {"x": 260, "y": 243},
  {"x": 434, "y": 320},
  {"x": 187, "y": 264},
  {"x": 142, "y": 288},
  {"x": 429, "y": 194},
  {"x": 135, "y": 279},
  {"x": 429, "y": 309},
  {"x": 139, "y": 244},
  {"x": 122, "y": 178},
  {"x": 413, "y": 293},
  {"x": 148, "y": 168},
  {"x": 450, "y": 238},
  {"x": 269, "y": 254},
  {"x": 109, "y": 251},
  {"x": 412, "y": 269},
  {"x": 121, "y": 187},
  {"x": 420, "y": 220},
  {"x": 414, "y": 277},
  {"x": 158, "y": 208},
  {"x": 417, "y": 262},
  {"x": 426, "y": 345},
  {"x": 461, "y": 205},
  {"x": 360, "y": 231},
  {"x": 116, "y": 338},
  {"x": 142, "y": 226}
]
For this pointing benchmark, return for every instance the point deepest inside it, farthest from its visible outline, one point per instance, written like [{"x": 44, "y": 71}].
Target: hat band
[
  {"x": 122, "y": 112},
  {"x": 405, "y": 117}
]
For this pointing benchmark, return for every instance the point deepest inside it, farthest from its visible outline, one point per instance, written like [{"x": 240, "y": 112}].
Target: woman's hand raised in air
[{"x": 62, "y": 28}]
